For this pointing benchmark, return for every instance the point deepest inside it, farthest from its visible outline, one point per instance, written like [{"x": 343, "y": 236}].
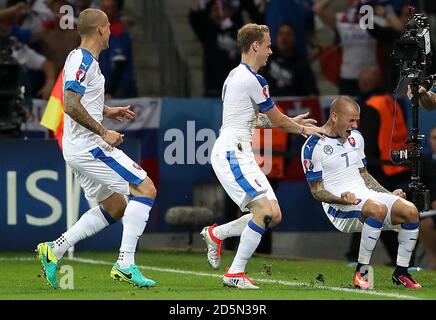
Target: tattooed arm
[
  {"x": 322, "y": 195},
  {"x": 263, "y": 122},
  {"x": 74, "y": 108},
  {"x": 371, "y": 183}
]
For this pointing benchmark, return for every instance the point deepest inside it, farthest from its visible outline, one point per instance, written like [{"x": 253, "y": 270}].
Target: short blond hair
[
  {"x": 251, "y": 33},
  {"x": 90, "y": 20}
]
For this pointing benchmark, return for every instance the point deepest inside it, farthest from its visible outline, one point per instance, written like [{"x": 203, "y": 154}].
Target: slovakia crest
[
  {"x": 352, "y": 142},
  {"x": 357, "y": 202},
  {"x": 81, "y": 75},
  {"x": 308, "y": 165},
  {"x": 266, "y": 91}
]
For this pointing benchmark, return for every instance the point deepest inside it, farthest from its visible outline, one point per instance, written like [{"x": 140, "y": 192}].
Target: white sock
[
  {"x": 91, "y": 223},
  {"x": 233, "y": 228},
  {"x": 407, "y": 238},
  {"x": 134, "y": 223},
  {"x": 370, "y": 234},
  {"x": 250, "y": 239}
]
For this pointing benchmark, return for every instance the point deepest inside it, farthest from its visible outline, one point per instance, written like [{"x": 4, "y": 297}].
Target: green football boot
[
  {"x": 49, "y": 262},
  {"x": 131, "y": 275}
]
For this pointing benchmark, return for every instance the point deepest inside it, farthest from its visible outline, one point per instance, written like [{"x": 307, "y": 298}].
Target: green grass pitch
[{"x": 187, "y": 276}]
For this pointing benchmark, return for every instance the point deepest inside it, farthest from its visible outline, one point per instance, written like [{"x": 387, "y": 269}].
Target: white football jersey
[
  {"x": 334, "y": 163},
  {"x": 244, "y": 94},
  {"x": 82, "y": 75}
]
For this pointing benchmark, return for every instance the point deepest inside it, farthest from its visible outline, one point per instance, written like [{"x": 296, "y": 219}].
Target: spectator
[
  {"x": 359, "y": 49},
  {"x": 80, "y": 5},
  {"x": 387, "y": 29},
  {"x": 216, "y": 25},
  {"x": 428, "y": 225},
  {"x": 288, "y": 72},
  {"x": 299, "y": 14},
  {"x": 117, "y": 62}
]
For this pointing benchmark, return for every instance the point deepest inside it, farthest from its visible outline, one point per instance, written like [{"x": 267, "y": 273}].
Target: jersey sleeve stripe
[
  {"x": 266, "y": 106},
  {"x": 118, "y": 168},
  {"x": 239, "y": 177},
  {"x": 313, "y": 176},
  {"x": 310, "y": 147},
  {"x": 74, "y": 86}
]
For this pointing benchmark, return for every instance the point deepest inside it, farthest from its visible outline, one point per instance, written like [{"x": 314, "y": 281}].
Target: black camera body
[
  {"x": 414, "y": 51},
  {"x": 11, "y": 95}
]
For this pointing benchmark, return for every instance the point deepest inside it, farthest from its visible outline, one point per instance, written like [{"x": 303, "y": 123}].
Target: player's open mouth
[{"x": 348, "y": 132}]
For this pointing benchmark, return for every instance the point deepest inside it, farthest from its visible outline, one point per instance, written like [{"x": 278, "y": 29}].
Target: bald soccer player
[
  {"x": 352, "y": 199},
  {"x": 106, "y": 174}
]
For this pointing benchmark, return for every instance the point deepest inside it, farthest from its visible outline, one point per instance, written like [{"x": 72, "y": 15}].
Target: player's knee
[
  {"x": 411, "y": 213},
  {"x": 276, "y": 218},
  {"x": 147, "y": 190},
  {"x": 380, "y": 212}
]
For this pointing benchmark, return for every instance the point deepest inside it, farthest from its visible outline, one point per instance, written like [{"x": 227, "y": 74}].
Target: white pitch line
[
  {"x": 267, "y": 281},
  {"x": 205, "y": 274}
]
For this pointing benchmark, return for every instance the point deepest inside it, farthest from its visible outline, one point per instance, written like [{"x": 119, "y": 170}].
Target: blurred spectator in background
[
  {"x": 80, "y": 5},
  {"x": 117, "y": 63},
  {"x": 299, "y": 14},
  {"x": 216, "y": 24},
  {"x": 256, "y": 10},
  {"x": 359, "y": 49},
  {"x": 288, "y": 72},
  {"x": 28, "y": 58},
  {"x": 376, "y": 104},
  {"x": 54, "y": 41},
  {"x": 388, "y": 27},
  {"x": 428, "y": 225}
]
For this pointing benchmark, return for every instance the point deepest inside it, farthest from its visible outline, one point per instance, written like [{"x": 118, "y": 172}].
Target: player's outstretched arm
[
  {"x": 279, "y": 120},
  {"x": 74, "y": 108},
  {"x": 119, "y": 113},
  {"x": 371, "y": 183},
  {"x": 322, "y": 195}
]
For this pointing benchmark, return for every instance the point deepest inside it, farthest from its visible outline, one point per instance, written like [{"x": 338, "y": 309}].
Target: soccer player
[
  {"x": 353, "y": 200},
  {"x": 106, "y": 174},
  {"x": 244, "y": 94}
]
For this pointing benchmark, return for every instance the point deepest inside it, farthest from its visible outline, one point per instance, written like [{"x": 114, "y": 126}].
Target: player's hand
[
  {"x": 113, "y": 138},
  {"x": 400, "y": 193},
  {"x": 120, "y": 113},
  {"x": 302, "y": 120},
  {"x": 348, "y": 198},
  {"x": 313, "y": 131}
]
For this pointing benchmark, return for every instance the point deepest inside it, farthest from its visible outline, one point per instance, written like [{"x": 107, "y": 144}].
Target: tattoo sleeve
[
  {"x": 371, "y": 183},
  {"x": 75, "y": 109},
  {"x": 263, "y": 122},
  {"x": 322, "y": 195}
]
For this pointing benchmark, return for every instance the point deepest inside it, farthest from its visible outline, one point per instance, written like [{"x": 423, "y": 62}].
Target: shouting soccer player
[{"x": 353, "y": 200}]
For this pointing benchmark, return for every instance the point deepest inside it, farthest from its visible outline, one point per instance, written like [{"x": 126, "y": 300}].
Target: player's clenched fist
[
  {"x": 113, "y": 138},
  {"x": 348, "y": 198}
]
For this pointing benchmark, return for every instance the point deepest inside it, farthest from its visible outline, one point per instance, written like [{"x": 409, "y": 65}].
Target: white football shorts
[
  {"x": 102, "y": 173},
  {"x": 241, "y": 176},
  {"x": 348, "y": 218}
]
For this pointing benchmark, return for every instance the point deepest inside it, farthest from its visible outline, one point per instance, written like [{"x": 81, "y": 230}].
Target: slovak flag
[{"x": 352, "y": 142}]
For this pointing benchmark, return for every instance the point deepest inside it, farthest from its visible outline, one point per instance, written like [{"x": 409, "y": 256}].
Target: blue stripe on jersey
[
  {"x": 365, "y": 162},
  {"x": 75, "y": 87},
  {"x": 344, "y": 214},
  {"x": 266, "y": 106},
  {"x": 118, "y": 168},
  {"x": 239, "y": 177},
  {"x": 313, "y": 176},
  {"x": 269, "y": 103},
  {"x": 309, "y": 147}
]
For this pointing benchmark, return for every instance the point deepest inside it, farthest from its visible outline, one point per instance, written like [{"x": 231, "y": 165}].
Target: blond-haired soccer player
[
  {"x": 245, "y": 94},
  {"x": 106, "y": 174}
]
